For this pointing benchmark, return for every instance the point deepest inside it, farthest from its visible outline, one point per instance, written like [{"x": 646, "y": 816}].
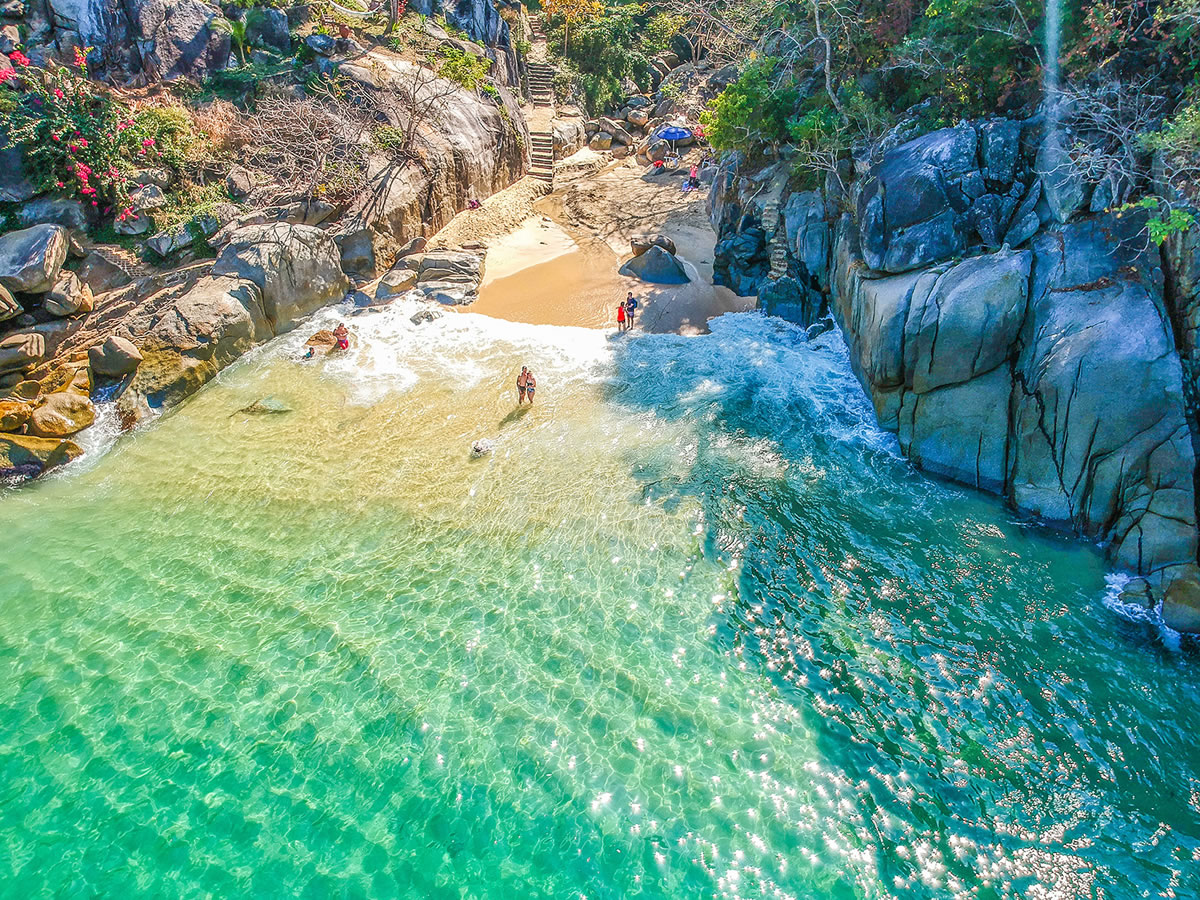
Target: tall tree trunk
[{"x": 393, "y": 13}]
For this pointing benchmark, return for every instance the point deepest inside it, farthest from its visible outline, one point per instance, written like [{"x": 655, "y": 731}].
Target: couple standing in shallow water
[{"x": 526, "y": 385}]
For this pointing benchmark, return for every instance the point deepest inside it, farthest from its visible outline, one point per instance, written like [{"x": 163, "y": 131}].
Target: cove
[{"x": 693, "y": 629}]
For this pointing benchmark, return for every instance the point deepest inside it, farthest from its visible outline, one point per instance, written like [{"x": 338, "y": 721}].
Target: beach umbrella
[{"x": 673, "y": 133}]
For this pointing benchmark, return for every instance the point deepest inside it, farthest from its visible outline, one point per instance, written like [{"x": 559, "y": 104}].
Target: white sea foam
[{"x": 1135, "y": 612}]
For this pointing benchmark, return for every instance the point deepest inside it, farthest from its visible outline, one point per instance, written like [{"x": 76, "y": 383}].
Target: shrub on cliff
[{"x": 77, "y": 140}]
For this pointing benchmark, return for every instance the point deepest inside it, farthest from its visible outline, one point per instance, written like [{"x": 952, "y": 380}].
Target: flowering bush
[{"x": 77, "y": 141}]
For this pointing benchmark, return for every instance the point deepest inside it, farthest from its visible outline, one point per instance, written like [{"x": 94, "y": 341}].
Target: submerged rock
[{"x": 266, "y": 406}]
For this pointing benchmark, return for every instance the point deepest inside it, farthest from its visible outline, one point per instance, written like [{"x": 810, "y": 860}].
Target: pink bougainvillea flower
[
  {"x": 59, "y": 184},
  {"x": 58, "y": 94},
  {"x": 94, "y": 203},
  {"x": 74, "y": 148},
  {"x": 6, "y": 74},
  {"x": 148, "y": 142},
  {"x": 83, "y": 142},
  {"x": 17, "y": 58},
  {"x": 55, "y": 137}
]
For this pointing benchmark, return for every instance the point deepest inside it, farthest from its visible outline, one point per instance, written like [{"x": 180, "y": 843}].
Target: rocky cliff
[
  {"x": 470, "y": 148},
  {"x": 153, "y": 318},
  {"x": 1014, "y": 334}
]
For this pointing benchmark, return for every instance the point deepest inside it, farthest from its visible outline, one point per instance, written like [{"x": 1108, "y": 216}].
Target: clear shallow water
[{"x": 692, "y": 630}]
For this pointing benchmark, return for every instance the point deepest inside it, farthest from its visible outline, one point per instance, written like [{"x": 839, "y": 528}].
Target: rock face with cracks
[
  {"x": 469, "y": 148},
  {"x": 1014, "y": 336}
]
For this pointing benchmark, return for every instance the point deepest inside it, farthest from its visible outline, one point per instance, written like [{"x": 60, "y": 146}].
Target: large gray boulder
[
  {"x": 930, "y": 199},
  {"x": 960, "y": 431},
  {"x": 53, "y": 211},
  {"x": 1100, "y": 436},
  {"x": 186, "y": 344},
  {"x": 31, "y": 259},
  {"x": 788, "y": 299},
  {"x": 656, "y": 266},
  {"x": 1049, "y": 375},
  {"x": 907, "y": 209},
  {"x": 115, "y": 358},
  {"x": 478, "y": 19},
  {"x": 808, "y": 235},
  {"x": 68, "y": 297},
  {"x": 160, "y": 38},
  {"x": 19, "y": 352},
  {"x": 297, "y": 269},
  {"x": 965, "y": 322},
  {"x": 453, "y": 266}
]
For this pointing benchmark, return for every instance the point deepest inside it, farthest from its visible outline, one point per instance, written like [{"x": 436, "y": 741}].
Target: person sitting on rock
[{"x": 343, "y": 337}]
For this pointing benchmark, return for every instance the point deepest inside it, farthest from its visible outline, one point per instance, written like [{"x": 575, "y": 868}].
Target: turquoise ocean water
[{"x": 693, "y": 629}]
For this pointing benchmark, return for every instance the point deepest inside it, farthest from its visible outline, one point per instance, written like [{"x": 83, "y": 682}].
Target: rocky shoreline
[
  {"x": 151, "y": 327},
  {"x": 1017, "y": 334}
]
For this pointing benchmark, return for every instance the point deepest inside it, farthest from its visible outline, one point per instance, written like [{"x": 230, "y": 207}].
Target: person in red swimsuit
[{"x": 621, "y": 317}]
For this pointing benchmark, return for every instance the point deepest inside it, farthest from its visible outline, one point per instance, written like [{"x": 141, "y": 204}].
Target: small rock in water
[
  {"x": 266, "y": 406},
  {"x": 482, "y": 447},
  {"x": 819, "y": 328},
  {"x": 425, "y": 315}
]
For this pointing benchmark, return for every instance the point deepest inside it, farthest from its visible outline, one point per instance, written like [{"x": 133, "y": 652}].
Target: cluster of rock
[
  {"x": 448, "y": 277},
  {"x": 133, "y": 40},
  {"x": 160, "y": 338},
  {"x": 40, "y": 411},
  {"x": 1015, "y": 335}
]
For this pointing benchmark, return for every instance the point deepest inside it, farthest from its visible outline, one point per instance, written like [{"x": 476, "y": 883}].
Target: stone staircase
[
  {"x": 125, "y": 260},
  {"x": 541, "y": 156},
  {"x": 541, "y": 92},
  {"x": 776, "y": 240},
  {"x": 541, "y": 84}
]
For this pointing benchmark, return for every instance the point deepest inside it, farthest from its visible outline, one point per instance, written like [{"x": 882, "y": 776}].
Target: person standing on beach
[
  {"x": 522, "y": 384},
  {"x": 631, "y": 304},
  {"x": 621, "y": 317},
  {"x": 530, "y": 387}
]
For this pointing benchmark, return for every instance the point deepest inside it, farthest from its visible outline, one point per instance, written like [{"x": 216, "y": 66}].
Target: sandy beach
[{"x": 553, "y": 259}]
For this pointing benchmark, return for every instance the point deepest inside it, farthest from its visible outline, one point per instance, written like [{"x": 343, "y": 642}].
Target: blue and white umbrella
[{"x": 673, "y": 133}]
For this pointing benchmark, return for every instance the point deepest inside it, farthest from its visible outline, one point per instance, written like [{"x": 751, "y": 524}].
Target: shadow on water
[
  {"x": 956, "y": 664},
  {"x": 515, "y": 416}
]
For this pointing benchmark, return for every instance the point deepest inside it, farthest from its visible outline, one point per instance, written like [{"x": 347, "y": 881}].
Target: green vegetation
[
  {"x": 835, "y": 75},
  {"x": 464, "y": 68},
  {"x": 603, "y": 44}
]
